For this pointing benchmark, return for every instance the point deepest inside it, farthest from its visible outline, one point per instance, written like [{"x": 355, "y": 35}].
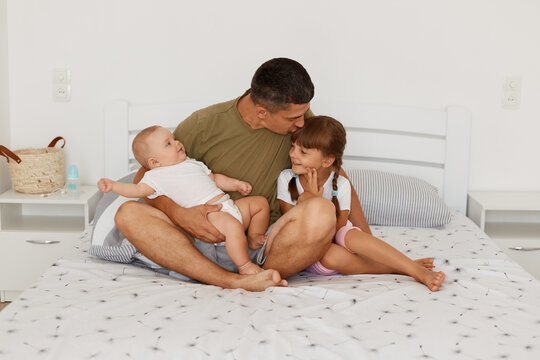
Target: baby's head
[{"x": 155, "y": 146}]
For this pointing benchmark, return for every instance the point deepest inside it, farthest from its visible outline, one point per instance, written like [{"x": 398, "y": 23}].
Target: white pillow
[{"x": 390, "y": 199}]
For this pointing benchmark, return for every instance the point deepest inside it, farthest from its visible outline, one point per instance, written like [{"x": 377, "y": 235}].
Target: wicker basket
[{"x": 36, "y": 171}]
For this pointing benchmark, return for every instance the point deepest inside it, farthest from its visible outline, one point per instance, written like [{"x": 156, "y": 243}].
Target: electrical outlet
[
  {"x": 61, "y": 92},
  {"x": 511, "y": 100}
]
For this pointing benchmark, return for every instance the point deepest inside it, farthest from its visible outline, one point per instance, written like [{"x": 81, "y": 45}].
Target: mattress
[{"x": 84, "y": 308}]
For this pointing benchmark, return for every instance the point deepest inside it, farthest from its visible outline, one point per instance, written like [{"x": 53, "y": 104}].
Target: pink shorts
[{"x": 318, "y": 268}]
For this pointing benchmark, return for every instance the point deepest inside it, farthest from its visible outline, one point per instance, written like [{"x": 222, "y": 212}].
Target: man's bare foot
[
  {"x": 425, "y": 262},
  {"x": 249, "y": 268},
  {"x": 256, "y": 241},
  {"x": 431, "y": 279},
  {"x": 260, "y": 281}
]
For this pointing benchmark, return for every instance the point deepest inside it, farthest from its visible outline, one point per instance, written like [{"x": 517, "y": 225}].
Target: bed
[{"x": 84, "y": 307}]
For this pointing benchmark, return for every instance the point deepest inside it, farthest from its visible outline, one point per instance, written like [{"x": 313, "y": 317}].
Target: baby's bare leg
[
  {"x": 256, "y": 216},
  {"x": 235, "y": 241}
]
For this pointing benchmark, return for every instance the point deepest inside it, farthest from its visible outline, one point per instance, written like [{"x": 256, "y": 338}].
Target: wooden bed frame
[{"x": 429, "y": 144}]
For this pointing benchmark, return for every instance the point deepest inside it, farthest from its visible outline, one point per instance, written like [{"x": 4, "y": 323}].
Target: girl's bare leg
[
  {"x": 340, "y": 259},
  {"x": 377, "y": 250}
]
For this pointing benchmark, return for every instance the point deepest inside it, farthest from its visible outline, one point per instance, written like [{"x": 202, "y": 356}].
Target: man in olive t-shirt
[
  {"x": 219, "y": 137},
  {"x": 252, "y": 146}
]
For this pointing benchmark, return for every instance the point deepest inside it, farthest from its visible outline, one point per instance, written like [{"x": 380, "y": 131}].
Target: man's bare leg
[
  {"x": 155, "y": 236},
  {"x": 301, "y": 236}
]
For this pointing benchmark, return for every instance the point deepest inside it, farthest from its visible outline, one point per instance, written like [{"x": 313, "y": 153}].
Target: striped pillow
[
  {"x": 107, "y": 241},
  {"x": 390, "y": 199}
]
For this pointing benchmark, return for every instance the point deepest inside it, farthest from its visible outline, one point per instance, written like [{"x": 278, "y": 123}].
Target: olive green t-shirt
[{"x": 219, "y": 137}]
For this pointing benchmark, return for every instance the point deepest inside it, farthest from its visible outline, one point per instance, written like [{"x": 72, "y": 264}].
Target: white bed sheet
[{"x": 84, "y": 308}]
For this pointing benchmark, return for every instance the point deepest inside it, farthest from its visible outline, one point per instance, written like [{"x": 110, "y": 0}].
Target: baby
[{"x": 190, "y": 183}]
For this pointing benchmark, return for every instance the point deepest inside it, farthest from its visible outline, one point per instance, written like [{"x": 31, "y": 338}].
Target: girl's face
[{"x": 303, "y": 158}]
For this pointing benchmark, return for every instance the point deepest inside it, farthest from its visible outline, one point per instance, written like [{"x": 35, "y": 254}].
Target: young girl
[{"x": 316, "y": 156}]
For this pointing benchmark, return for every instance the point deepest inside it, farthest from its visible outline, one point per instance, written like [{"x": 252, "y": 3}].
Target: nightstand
[
  {"x": 36, "y": 230},
  {"x": 511, "y": 219}
]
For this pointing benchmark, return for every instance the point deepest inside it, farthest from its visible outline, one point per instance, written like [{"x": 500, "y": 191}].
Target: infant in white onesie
[{"x": 189, "y": 183}]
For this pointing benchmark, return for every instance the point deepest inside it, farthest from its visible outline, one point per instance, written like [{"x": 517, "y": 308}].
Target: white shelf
[
  {"x": 516, "y": 231},
  {"x": 510, "y": 218},
  {"x": 36, "y": 230},
  {"x": 31, "y": 213},
  {"x": 507, "y": 200}
]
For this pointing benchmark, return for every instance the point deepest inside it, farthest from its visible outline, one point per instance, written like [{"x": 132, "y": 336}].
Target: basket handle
[
  {"x": 4, "y": 151},
  {"x": 55, "y": 140}
]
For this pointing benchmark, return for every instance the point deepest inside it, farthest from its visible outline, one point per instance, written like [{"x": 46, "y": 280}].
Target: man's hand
[
  {"x": 194, "y": 220},
  {"x": 105, "y": 185},
  {"x": 243, "y": 188}
]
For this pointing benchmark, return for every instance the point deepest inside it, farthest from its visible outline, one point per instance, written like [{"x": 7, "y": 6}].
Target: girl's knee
[{"x": 331, "y": 257}]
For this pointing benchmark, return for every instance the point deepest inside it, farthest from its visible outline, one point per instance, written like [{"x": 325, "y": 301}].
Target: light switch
[{"x": 511, "y": 93}]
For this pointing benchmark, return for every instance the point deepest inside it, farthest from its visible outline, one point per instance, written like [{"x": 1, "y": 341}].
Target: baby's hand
[
  {"x": 243, "y": 188},
  {"x": 105, "y": 185}
]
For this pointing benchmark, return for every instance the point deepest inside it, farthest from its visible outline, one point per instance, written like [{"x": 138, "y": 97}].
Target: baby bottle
[{"x": 73, "y": 184}]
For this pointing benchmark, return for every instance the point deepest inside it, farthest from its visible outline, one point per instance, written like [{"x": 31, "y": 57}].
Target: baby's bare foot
[
  {"x": 249, "y": 268},
  {"x": 425, "y": 262},
  {"x": 256, "y": 241}
]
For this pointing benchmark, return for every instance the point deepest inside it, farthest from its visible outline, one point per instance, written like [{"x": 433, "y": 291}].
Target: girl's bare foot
[
  {"x": 431, "y": 279},
  {"x": 256, "y": 241},
  {"x": 260, "y": 281},
  {"x": 249, "y": 268},
  {"x": 425, "y": 262}
]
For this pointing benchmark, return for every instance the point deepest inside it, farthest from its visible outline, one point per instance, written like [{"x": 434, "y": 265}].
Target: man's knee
[
  {"x": 125, "y": 213},
  {"x": 320, "y": 217}
]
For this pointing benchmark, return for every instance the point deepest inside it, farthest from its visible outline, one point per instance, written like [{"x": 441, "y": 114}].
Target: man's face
[{"x": 288, "y": 120}]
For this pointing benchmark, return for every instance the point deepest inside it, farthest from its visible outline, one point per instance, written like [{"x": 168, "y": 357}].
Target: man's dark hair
[{"x": 280, "y": 82}]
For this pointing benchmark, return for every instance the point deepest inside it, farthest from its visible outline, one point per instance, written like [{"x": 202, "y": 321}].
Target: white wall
[
  {"x": 417, "y": 52},
  {"x": 4, "y": 96}
]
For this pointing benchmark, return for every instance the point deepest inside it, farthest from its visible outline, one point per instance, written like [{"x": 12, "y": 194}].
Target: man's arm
[
  {"x": 357, "y": 214},
  {"x": 193, "y": 220}
]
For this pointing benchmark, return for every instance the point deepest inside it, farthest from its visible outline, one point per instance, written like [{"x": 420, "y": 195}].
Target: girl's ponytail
[
  {"x": 293, "y": 189},
  {"x": 335, "y": 189}
]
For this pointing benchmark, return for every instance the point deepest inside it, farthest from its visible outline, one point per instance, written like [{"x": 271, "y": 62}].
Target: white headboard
[{"x": 429, "y": 144}]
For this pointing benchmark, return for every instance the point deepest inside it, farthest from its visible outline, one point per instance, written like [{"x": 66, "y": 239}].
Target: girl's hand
[
  {"x": 312, "y": 185},
  {"x": 105, "y": 185},
  {"x": 243, "y": 188}
]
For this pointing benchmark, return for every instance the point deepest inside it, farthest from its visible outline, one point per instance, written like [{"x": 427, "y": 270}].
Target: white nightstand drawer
[{"x": 24, "y": 260}]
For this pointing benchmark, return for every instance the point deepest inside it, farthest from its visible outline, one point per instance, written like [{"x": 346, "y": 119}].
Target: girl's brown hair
[{"x": 327, "y": 135}]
